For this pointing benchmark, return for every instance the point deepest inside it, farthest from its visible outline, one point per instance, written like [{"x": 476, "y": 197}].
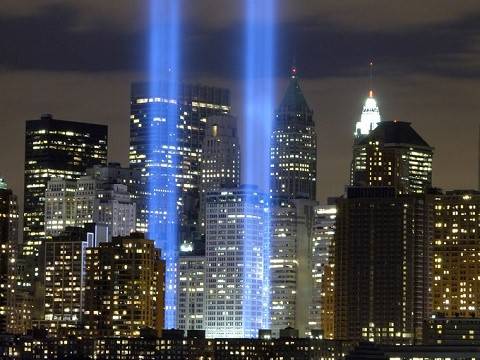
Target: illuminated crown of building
[{"x": 370, "y": 117}]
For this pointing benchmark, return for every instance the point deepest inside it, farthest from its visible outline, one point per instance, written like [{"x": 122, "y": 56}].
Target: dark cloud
[{"x": 52, "y": 39}]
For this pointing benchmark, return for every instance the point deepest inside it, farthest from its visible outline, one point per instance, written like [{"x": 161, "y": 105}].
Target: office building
[
  {"x": 455, "y": 255},
  {"x": 89, "y": 199},
  {"x": 394, "y": 155},
  {"x": 59, "y": 206},
  {"x": 323, "y": 245},
  {"x": 55, "y": 148},
  {"x": 8, "y": 252},
  {"x": 191, "y": 293},
  {"x": 132, "y": 178},
  {"x": 452, "y": 331},
  {"x": 166, "y": 138},
  {"x": 220, "y": 154},
  {"x": 64, "y": 281},
  {"x": 283, "y": 264},
  {"x": 124, "y": 287},
  {"x": 293, "y": 149},
  {"x": 382, "y": 242},
  {"x": 237, "y": 270},
  {"x": 220, "y": 159},
  {"x": 291, "y": 283}
]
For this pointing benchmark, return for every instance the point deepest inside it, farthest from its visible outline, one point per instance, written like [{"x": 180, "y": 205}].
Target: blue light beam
[
  {"x": 259, "y": 114},
  {"x": 163, "y": 162}
]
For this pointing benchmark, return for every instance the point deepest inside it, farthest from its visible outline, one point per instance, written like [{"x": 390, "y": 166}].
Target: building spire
[
  {"x": 370, "y": 117},
  {"x": 293, "y": 69},
  {"x": 370, "y": 83}
]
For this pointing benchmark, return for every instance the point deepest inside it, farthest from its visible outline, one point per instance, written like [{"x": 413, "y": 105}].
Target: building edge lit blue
[
  {"x": 259, "y": 113},
  {"x": 162, "y": 163}
]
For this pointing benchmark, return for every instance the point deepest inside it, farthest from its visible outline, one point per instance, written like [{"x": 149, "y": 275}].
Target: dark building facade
[
  {"x": 382, "y": 244},
  {"x": 293, "y": 148},
  {"x": 8, "y": 249}
]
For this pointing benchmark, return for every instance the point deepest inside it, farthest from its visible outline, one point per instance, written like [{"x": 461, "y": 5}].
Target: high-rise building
[
  {"x": 90, "y": 199},
  {"x": 191, "y": 293},
  {"x": 113, "y": 173},
  {"x": 237, "y": 267},
  {"x": 382, "y": 242},
  {"x": 8, "y": 252},
  {"x": 59, "y": 206},
  {"x": 394, "y": 154},
  {"x": 220, "y": 159},
  {"x": 321, "y": 310},
  {"x": 455, "y": 255},
  {"x": 166, "y": 137},
  {"x": 124, "y": 287},
  {"x": 65, "y": 280},
  {"x": 283, "y": 264},
  {"x": 55, "y": 148},
  {"x": 220, "y": 154},
  {"x": 291, "y": 222},
  {"x": 293, "y": 149}
]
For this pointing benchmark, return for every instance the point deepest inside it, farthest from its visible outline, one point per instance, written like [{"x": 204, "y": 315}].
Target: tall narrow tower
[{"x": 293, "y": 146}]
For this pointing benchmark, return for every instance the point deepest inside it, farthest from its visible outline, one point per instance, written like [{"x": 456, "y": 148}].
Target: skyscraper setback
[{"x": 382, "y": 239}]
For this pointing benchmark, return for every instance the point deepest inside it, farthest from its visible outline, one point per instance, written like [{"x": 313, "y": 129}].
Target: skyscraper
[
  {"x": 382, "y": 242},
  {"x": 395, "y": 155},
  {"x": 8, "y": 249},
  {"x": 382, "y": 236},
  {"x": 455, "y": 262},
  {"x": 237, "y": 268},
  {"x": 293, "y": 146},
  {"x": 166, "y": 137},
  {"x": 90, "y": 199},
  {"x": 290, "y": 263},
  {"x": 132, "y": 178},
  {"x": 55, "y": 148},
  {"x": 64, "y": 281},
  {"x": 293, "y": 188},
  {"x": 59, "y": 205},
  {"x": 323, "y": 245},
  {"x": 220, "y": 162},
  {"x": 191, "y": 293},
  {"x": 124, "y": 287},
  {"x": 220, "y": 154}
]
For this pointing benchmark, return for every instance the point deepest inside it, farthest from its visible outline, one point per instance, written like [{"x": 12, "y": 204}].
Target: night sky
[{"x": 76, "y": 60}]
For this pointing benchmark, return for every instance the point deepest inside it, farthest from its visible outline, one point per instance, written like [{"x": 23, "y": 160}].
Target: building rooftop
[{"x": 395, "y": 132}]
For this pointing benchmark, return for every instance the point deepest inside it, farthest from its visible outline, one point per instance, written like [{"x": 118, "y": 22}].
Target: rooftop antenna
[
  {"x": 293, "y": 70},
  {"x": 370, "y": 84}
]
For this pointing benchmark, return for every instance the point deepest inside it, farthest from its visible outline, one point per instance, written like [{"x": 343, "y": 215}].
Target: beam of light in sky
[
  {"x": 259, "y": 113},
  {"x": 163, "y": 156}
]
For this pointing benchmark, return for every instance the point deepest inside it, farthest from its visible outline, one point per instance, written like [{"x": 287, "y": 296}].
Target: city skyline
[
  {"x": 284, "y": 180},
  {"x": 406, "y": 89}
]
